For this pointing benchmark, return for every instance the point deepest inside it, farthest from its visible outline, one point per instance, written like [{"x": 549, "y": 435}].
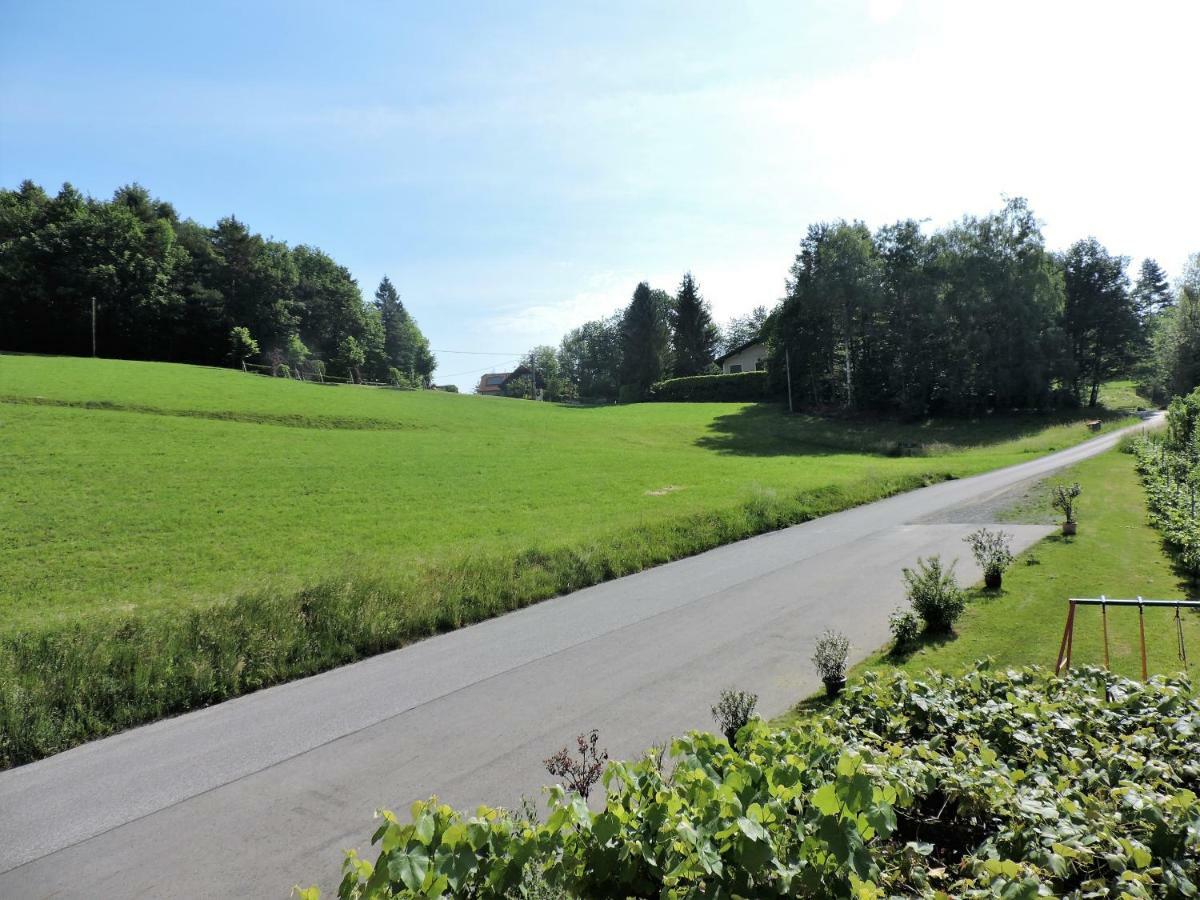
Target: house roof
[
  {"x": 493, "y": 381},
  {"x": 739, "y": 348}
]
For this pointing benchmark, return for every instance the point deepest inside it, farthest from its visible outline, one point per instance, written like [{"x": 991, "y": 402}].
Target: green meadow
[
  {"x": 176, "y": 535},
  {"x": 219, "y": 482}
]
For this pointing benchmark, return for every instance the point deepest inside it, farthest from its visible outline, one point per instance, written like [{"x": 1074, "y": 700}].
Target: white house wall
[{"x": 748, "y": 359}]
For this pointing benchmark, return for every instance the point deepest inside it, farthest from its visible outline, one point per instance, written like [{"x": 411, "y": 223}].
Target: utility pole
[
  {"x": 787, "y": 365},
  {"x": 93, "y": 328}
]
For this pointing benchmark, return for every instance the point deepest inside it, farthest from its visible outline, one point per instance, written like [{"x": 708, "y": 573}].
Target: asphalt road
[{"x": 257, "y": 794}]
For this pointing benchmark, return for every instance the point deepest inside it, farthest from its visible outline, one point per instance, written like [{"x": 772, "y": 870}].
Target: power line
[
  {"x": 479, "y": 352},
  {"x": 468, "y": 372}
]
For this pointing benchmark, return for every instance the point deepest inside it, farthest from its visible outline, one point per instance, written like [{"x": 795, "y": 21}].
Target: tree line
[
  {"x": 658, "y": 335},
  {"x": 170, "y": 289},
  {"x": 977, "y": 316}
]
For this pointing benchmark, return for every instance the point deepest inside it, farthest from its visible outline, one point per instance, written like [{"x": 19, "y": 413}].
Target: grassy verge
[
  {"x": 61, "y": 687},
  {"x": 1116, "y": 554}
]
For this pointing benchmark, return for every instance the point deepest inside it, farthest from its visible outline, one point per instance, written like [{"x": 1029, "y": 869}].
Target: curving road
[{"x": 254, "y": 795}]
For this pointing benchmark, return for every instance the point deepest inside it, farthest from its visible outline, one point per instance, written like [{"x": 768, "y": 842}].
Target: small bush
[
  {"x": 741, "y": 386},
  {"x": 906, "y": 627},
  {"x": 934, "y": 594},
  {"x": 403, "y": 380},
  {"x": 831, "y": 654},
  {"x": 1063, "y": 499},
  {"x": 992, "y": 551},
  {"x": 580, "y": 774},
  {"x": 733, "y": 710}
]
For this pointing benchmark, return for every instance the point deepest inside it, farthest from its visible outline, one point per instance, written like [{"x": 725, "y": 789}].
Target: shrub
[
  {"x": 830, "y": 655},
  {"x": 404, "y": 380},
  {"x": 733, "y": 710},
  {"x": 1172, "y": 485},
  {"x": 742, "y": 386},
  {"x": 242, "y": 345},
  {"x": 580, "y": 774},
  {"x": 993, "y": 784},
  {"x": 906, "y": 627},
  {"x": 1063, "y": 499},
  {"x": 630, "y": 393},
  {"x": 992, "y": 551},
  {"x": 934, "y": 594}
]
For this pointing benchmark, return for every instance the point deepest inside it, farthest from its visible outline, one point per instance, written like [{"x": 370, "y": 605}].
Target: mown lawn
[
  {"x": 139, "y": 487},
  {"x": 1115, "y": 554}
]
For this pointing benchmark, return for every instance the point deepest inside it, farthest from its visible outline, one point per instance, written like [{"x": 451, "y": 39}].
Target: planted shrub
[
  {"x": 580, "y": 775},
  {"x": 905, "y": 627},
  {"x": 992, "y": 796},
  {"x": 1063, "y": 498},
  {"x": 934, "y": 594},
  {"x": 733, "y": 710},
  {"x": 830, "y": 657},
  {"x": 993, "y": 553}
]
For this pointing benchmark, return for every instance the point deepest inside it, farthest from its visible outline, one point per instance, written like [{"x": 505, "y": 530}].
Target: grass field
[
  {"x": 222, "y": 482},
  {"x": 1115, "y": 554},
  {"x": 178, "y": 535}
]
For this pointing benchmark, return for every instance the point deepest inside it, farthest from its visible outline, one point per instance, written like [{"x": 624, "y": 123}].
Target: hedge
[{"x": 742, "y": 386}]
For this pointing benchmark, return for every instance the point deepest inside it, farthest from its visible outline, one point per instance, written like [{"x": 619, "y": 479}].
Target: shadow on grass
[
  {"x": 765, "y": 429},
  {"x": 931, "y": 640}
]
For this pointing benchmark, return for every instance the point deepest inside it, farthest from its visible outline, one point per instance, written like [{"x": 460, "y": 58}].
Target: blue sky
[{"x": 517, "y": 168}]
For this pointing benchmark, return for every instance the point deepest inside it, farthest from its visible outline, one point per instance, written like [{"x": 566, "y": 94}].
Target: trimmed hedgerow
[
  {"x": 1010, "y": 784},
  {"x": 740, "y": 386}
]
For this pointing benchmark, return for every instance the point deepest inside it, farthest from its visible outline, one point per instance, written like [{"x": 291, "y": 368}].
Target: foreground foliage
[{"x": 990, "y": 784}]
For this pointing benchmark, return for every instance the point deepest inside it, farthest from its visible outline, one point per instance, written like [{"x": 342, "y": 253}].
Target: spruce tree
[
  {"x": 644, "y": 344},
  {"x": 394, "y": 318},
  {"x": 695, "y": 336},
  {"x": 1152, "y": 293}
]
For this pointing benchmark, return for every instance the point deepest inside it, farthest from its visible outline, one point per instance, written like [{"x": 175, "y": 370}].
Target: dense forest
[
  {"x": 977, "y": 316},
  {"x": 166, "y": 288}
]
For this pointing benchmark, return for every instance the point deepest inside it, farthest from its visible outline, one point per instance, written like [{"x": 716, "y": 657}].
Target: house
[
  {"x": 748, "y": 357},
  {"x": 492, "y": 383},
  {"x": 523, "y": 371},
  {"x": 496, "y": 384}
]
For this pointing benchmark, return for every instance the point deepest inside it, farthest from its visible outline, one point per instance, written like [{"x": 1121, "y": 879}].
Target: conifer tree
[
  {"x": 1152, "y": 293},
  {"x": 694, "y": 337},
  {"x": 644, "y": 344}
]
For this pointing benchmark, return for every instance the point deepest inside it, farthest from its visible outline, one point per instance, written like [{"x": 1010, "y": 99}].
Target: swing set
[{"x": 1064, "y": 649}]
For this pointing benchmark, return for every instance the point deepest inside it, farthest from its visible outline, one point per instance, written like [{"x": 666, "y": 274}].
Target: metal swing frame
[{"x": 1064, "y": 648}]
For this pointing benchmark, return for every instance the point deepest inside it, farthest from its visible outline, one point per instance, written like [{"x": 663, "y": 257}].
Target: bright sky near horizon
[{"x": 517, "y": 168}]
